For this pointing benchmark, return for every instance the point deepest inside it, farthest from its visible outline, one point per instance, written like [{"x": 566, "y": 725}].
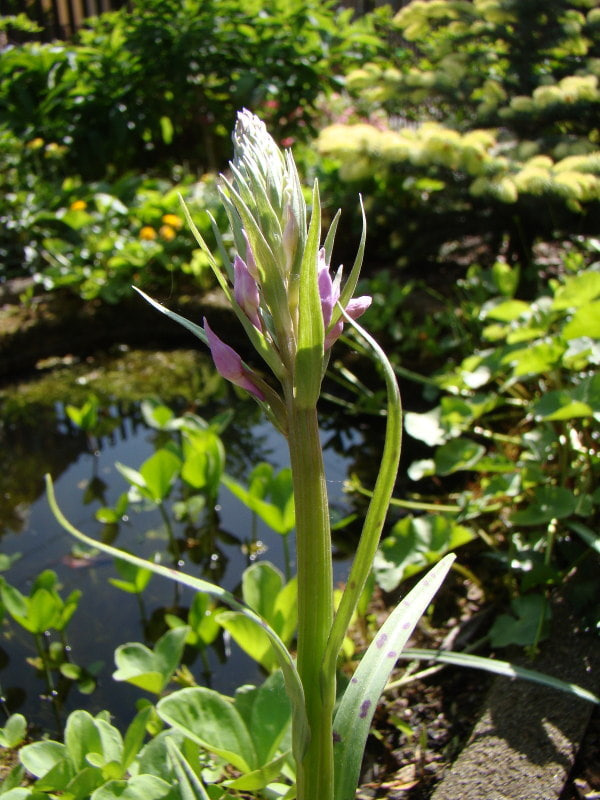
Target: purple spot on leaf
[
  {"x": 392, "y": 654},
  {"x": 381, "y": 640},
  {"x": 407, "y": 626},
  {"x": 354, "y": 680},
  {"x": 364, "y": 708},
  {"x": 336, "y": 737}
]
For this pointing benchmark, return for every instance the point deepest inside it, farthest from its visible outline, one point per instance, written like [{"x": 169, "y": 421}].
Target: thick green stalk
[{"x": 315, "y": 599}]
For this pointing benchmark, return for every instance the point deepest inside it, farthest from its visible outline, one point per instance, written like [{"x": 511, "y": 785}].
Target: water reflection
[{"x": 217, "y": 542}]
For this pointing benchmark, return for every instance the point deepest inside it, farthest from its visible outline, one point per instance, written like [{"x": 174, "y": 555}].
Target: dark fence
[{"x": 59, "y": 19}]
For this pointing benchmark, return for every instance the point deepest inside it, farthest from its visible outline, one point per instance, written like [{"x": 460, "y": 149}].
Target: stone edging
[{"x": 524, "y": 744}]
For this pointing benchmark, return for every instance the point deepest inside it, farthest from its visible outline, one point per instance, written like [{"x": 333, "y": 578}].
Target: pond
[{"x": 39, "y": 436}]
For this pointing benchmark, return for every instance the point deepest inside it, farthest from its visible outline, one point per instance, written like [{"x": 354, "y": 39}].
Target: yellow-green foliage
[
  {"x": 567, "y": 92},
  {"x": 364, "y": 150}
]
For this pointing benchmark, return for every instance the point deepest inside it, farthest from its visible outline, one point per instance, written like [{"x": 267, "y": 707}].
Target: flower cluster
[{"x": 279, "y": 283}]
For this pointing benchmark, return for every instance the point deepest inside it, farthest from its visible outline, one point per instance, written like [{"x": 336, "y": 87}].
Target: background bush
[
  {"x": 163, "y": 82},
  {"x": 483, "y": 121}
]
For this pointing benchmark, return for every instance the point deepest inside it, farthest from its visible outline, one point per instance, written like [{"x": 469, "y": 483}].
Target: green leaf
[
  {"x": 252, "y": 641},
  {"x": 535, "y": 359},
  {"x": 577, "y": 291},
  {"x": 561, "y": 404},
  {"x": 150, "y": 670},
  {"x": 413, "y": 544},
  {"x": 549, "y": 502},
  {"x": 189, "y": 784},
  {"x": 134, "y": 736},
  {"x": 522, "y": 627},
  {"x": 292, "y": 679},
  {"x": 41, "y": 757},
  {"x": 498, "y": 667},
  {"x": 584, "y": 322},
  {"x": 43, "y": 611},
  {"x": 137, "y": 787},
  {"x": 456, "y": 455},
  {"x": 159, "y": 473},
  {"x": 86, "y": 735},
  {"x": 266, "y": 712},
  {"x": 14, "y": 731},
  {"x": 157, "y": 415},
  {"x": 263, "y": 591},
  {"x": 508, "y": 311},
  {"x": 357, "y": 706},
  {"x": 259, "y": 778},
  {"x": 204, "y": 460},
  {"x": 269, "y": 496},
  {"x": 134, "y": 579},
  {"x": 211, "y": 721},
  {"x": 261, "y": 583}
]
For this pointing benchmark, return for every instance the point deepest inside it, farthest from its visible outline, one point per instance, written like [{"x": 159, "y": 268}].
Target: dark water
[{"x": 37, "y": 437}]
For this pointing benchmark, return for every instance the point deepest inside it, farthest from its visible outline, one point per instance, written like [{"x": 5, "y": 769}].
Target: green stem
[{"x": 315, "y": 599}]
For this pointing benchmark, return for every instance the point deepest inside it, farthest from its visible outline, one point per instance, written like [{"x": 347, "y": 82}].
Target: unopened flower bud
[
  {"x": 229, "y": 364},
  {"x": 246, "y": 291}
]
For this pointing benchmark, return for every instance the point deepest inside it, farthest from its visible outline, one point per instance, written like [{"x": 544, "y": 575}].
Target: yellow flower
[
  {"x": 167, "y": 232},
  {"x": 78, "y": 205},
  {"x": 173, "y": 220},
  {"x": 148, "y": 233},
  {"x": 36, "y": 143}
]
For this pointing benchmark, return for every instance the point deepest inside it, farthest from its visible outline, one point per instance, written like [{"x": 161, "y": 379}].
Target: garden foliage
[
  {"x": 484, "y": 120},
  {"x": 163, "y": 82}
]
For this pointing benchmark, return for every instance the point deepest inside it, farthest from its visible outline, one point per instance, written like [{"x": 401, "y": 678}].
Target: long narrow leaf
[
  {"x": 499, "y": 668},
  {"x": 355, "y": 713},
  {"x": 189, "y": 784},
  {"x": 292, "y": 680},
  {"x": 197, "y": 330}
]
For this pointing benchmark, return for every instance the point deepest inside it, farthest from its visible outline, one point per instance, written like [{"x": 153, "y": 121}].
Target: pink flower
[
  {"x": 329, "y": 291},
  {"x": 250, "y": 262},
  {"x": 245, "y": 290},
  {"x": 229, "y": 364}
]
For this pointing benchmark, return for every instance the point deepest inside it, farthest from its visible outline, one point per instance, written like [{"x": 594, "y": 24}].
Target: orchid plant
[{"x": 293, "y": 309}]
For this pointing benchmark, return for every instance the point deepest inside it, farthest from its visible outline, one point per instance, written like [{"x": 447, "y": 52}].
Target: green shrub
[
  {"x": 96, "y": 239},
  {"x": 164, "y": 81},
  {"x": 488, "y": 125}
]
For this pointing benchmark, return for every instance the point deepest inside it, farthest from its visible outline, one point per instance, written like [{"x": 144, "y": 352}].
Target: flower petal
[
  {"x": 229, "y": 363},
  {"x": 246, "y": 292}
]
